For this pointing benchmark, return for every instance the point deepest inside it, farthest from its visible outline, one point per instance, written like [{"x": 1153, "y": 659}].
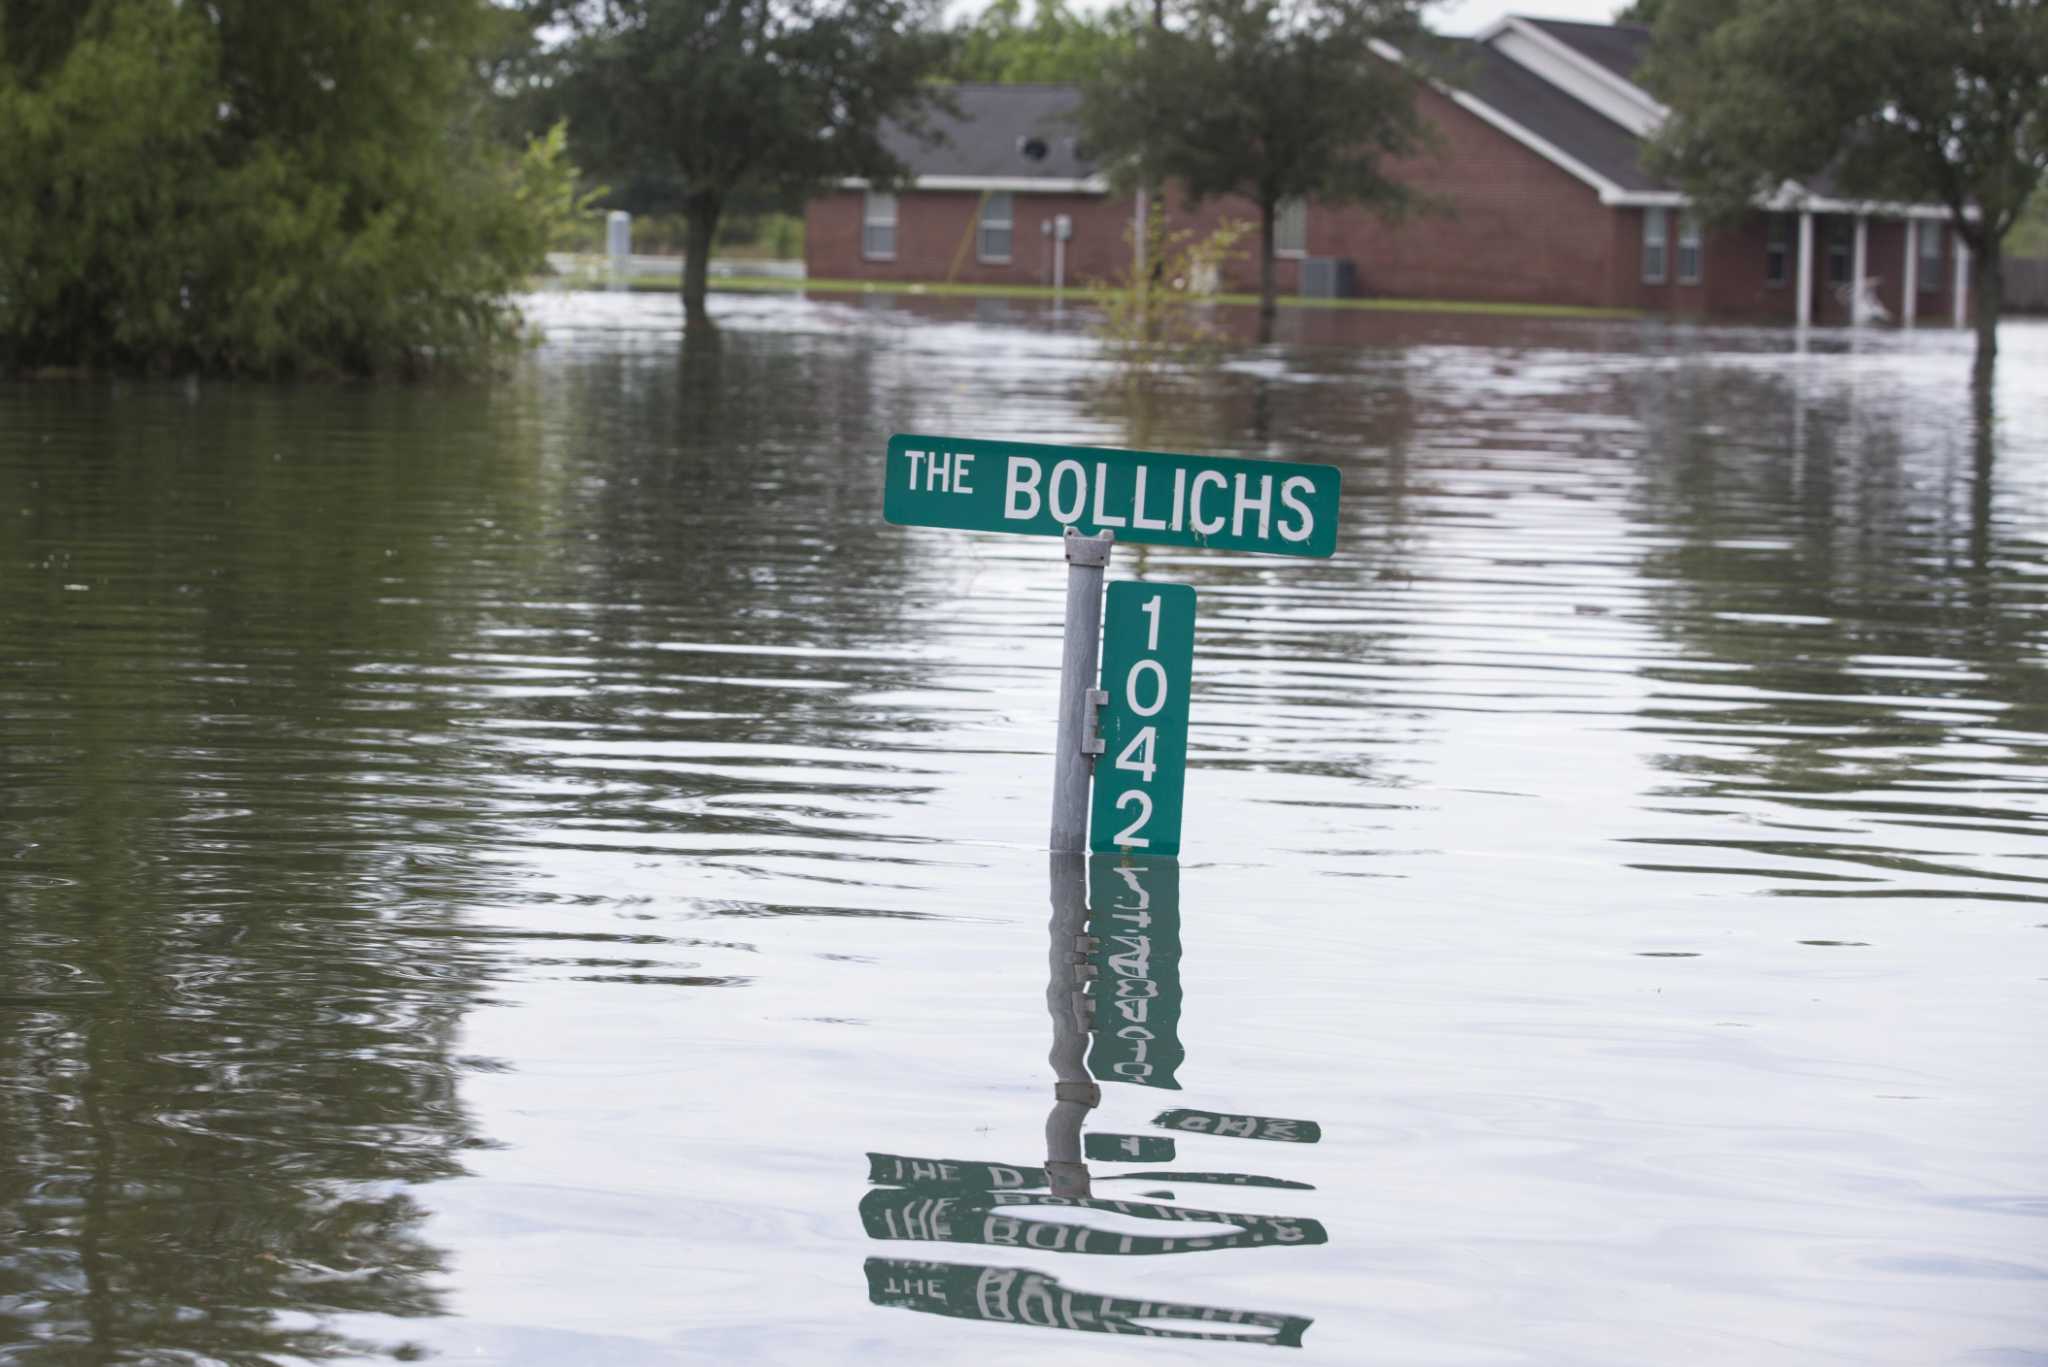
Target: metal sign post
[{"x": 1075, "y": 745}]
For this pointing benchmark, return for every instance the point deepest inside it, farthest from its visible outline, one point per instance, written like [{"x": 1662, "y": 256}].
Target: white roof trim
[
  {"x": 1020, "y": 185},
  {"x": 1542, "y": 147},
  {"x": 1584, "y": 79},
  {"x": 1789, "y": 195},
  {"x": 1786, "y": 199}
]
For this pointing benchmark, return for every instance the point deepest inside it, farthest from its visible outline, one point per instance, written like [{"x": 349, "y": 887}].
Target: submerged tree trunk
[
  {"x": 701, "y": 213},
  {"x": 1267, "y": 306},
  {"x": 1988, "y": 281}
]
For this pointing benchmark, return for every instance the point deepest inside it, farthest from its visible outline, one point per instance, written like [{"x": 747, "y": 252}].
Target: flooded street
[{"x": 542, "y": 874}]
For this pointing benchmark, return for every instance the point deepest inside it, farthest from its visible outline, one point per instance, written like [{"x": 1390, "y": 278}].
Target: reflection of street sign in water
[
  {"x": 1148, "y": 658},
  {"x": 1134, "y": 917},
  {"x": 1240, "y": 1126},
  {"x": 1130, "y": 1148},
  {"x": 970, "y": 484},
  {"x": 1013, "y": 1295},
  {"x": 961, "y": 1216}
]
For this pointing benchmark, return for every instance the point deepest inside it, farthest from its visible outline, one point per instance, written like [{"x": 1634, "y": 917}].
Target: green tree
[
  {"x": 2030, "y": 237},
  {"x": 1269, "y": 99},
  {"x": 260, "y": 186},
  {"x": 732, "y": 97},
  {"x": 1942, "y": 100},
  {"x": 1057, "y": 46}
]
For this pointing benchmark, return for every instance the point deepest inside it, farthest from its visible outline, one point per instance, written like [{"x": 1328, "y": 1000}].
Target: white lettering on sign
[
  {"x": 1138, "y": 518},
  {"x": 1102, "y": 518},
  {"x": 1020, "y": 484},
  {"x": 1301, "y": 530},
  {"x": 941, "y": 471},
  {"x": 1205, "y": 479},
  {"x": 1263, "y": 503},
  {"x": 1158, "y": 672},
  {"x": 1070, "y": 513}
]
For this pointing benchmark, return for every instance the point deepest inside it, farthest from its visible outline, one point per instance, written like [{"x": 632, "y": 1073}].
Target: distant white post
[
  {"x": 1805, "y": 267},
  {"x": 1962, "y": 280},
  {"x": 1910, "y": 299},
  {"x": 618, "y": 243},
  {"x": 1859, "y": 266}
]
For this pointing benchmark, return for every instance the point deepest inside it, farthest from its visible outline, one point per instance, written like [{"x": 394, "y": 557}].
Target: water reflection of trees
[
  {"x": 1838, "y": 571},
  {"x": 232, "y": 961}
]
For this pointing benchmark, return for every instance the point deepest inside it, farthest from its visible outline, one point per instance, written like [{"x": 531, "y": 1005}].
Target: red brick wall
[
  {"x": 935, "y": 229},
  {"x": 1518, "y": 229}
]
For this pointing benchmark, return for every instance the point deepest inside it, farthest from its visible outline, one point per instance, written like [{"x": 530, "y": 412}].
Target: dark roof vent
[{"x": 1033, "y": 148}]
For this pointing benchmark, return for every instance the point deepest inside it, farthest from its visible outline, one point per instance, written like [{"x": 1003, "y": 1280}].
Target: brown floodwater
[{"x": 540, "y": 873}]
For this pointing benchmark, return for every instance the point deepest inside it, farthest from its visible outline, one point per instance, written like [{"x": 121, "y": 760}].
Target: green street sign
[
  {"x": 1265, "y": 506},
  {"x": 1148, "y": 666},
  {"x": 1134, "y": 918}
]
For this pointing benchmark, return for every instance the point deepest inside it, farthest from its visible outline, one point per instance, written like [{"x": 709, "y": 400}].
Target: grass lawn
[{"x": 764, "y": 284}]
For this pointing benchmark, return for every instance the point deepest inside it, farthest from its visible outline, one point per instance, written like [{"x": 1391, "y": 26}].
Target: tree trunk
[
  {"x": 1266, "y": 304},
  {"x": 701, "y": 213},
  {"x": 1988, "y": 280}
]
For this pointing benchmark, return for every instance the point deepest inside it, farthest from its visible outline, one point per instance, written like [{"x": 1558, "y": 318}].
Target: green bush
[{"x": 263, "y": 187}]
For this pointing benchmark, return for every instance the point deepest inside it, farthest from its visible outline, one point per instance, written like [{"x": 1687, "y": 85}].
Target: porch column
[
  {"x": 1962, "y": 280},
  {"x": 1805, "y": 314},
  {"x": 1910, "y": 298},
  {"x": 1859, "y": 266}
]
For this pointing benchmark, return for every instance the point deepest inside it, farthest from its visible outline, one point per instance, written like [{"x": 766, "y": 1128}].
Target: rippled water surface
[{"x": 544, "y": 875}]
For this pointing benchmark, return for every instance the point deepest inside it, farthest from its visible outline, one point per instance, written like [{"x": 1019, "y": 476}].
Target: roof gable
[{"x": 993, "y": 138}]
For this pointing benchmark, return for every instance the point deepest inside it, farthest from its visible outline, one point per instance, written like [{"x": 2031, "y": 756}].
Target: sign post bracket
[{"x": 1080, "y": 656}]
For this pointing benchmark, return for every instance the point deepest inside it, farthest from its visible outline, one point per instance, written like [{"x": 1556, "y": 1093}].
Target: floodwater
[{"x": 542, "y": 874}]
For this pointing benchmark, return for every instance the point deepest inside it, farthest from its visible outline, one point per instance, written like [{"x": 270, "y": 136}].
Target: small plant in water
[{"x": 1157, "y": 319}]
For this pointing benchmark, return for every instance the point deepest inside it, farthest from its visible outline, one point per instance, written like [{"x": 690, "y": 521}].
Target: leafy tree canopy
[
  {"x": 260, "y": 186},
  {"x": 1055, "y": 46},
  {"x": 1268, "y": 99},
  {"x": 724, "y": 97},
  {"x": 1908, "y": 100}
]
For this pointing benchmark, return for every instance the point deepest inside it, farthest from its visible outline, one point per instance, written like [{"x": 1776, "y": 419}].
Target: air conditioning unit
[{"x": 1328, "y": 277}]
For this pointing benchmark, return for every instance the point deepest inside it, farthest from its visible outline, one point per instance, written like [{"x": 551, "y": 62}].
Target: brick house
[{"x": 1539, "y": 166}]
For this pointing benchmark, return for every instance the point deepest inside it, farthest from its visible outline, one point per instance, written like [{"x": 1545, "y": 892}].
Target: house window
[
  {"x": 878, "y": 227},
  {"x": 1930, "y": 236},
  {"x": 1838, "y": 252},
  {"x": 1656, "y": 229},
  {"x": 1688, "y": 249},
  {"x": 992, "y": 241},
  {"x": 1290, "y": 228},
  {"x": 1777, "y": 249}
]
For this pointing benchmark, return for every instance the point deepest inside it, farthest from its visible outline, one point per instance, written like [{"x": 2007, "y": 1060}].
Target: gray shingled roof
[
  {"x": 1618, "y": 47},
  {"x": 1578, "y": 130},
  {"x": 994, "y": 121},
  {"x": 987, "y": 137}
]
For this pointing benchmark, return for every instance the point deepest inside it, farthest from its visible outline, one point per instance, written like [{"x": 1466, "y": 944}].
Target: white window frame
[
  {"x": 1929, "y": 269},
  {"x": 1838, "y": 249},
  {"x": 988, "y": 222},
  {"x": 874, "y": 203},
  {"x": 1290, "y": 227},
  {"x": 1656, "y": 246},
  {"x": 1778, "y": 245},
  {"x": 1692, "y": 253}
]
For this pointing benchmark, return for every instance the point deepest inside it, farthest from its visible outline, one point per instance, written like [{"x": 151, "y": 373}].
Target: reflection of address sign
[{"x": 1148, "y": 657}]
